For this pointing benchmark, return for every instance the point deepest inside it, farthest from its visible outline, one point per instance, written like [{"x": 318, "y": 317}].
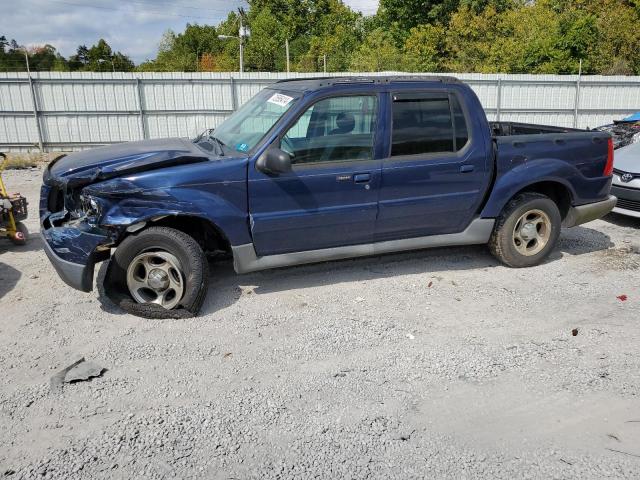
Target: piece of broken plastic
[{"x": 83, "y": 371}]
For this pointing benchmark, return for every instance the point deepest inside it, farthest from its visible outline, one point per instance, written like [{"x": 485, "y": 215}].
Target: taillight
[{"x": 608, "y": 168}]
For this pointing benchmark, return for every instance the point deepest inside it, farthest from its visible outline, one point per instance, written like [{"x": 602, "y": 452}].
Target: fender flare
[{"x": 524, "y": 176}]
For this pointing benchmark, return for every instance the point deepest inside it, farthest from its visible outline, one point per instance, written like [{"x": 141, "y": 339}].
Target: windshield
[{"x": 246, "y": 127}]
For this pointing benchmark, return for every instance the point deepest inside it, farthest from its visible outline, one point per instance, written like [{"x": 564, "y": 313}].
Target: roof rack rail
[{"x": 337, "y": 80}]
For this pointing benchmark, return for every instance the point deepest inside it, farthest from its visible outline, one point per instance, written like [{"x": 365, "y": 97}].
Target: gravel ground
[{"x": 437, "y": 363}]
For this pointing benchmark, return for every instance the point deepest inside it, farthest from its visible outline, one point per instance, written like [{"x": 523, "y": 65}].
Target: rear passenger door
[{"x": 435, "y": 174}]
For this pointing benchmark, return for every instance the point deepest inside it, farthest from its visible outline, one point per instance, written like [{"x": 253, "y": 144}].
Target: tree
[
  {"x": 46, "y": 58},
  {"x": 182, "y": 52},
  {"x": 618, "y": 49},
  {"x": 470, "y": 40},
  {"x": 378, "y": 53},
  {"x": 338, "y": 32},
  {"x": 81, "y": 59},
  {"x": 266, "y": 44},
  {"x": 425, "y": 49},
  {"x": 403, "y": 15}
]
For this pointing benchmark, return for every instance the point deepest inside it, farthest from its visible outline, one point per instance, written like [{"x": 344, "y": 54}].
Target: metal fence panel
[{"x": 67, "y": 111}]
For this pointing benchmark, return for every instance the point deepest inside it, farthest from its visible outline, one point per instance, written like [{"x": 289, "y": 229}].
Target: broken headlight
[{"x": 90, "y": 206}]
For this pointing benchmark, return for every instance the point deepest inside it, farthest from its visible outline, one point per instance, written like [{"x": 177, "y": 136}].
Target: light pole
[
  {"x": 113, "y": 66},
  {"x": 243, "y": 33},
  {"x": 287, "y": 49},
  {"x": 227, "y": 37}
]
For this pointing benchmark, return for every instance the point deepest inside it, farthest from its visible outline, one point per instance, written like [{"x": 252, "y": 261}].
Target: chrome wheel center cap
[
  {"x": 158, "y": 279},
  {"x": 528, "y": 231}
]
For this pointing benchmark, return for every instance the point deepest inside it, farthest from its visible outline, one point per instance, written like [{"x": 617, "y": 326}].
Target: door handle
[
  {"x": 362, "y": 177},
  {"x": 467, "y": 168}
]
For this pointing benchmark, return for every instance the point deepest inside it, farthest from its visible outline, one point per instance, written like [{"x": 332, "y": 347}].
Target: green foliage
[
  {"x": 378, "y": 53},
  {"x": 510, "y": 36},
  {"x": 98, "y": 58},
  {"x": 182, "y": 52},
  {"x": 425, "y": 49}
]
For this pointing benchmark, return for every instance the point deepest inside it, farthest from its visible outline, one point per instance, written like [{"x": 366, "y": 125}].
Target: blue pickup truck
[{"x": 318, "y": 169}]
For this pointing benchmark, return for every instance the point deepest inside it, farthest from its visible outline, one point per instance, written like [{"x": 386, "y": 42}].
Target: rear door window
[{"x": 425, "y": 123}]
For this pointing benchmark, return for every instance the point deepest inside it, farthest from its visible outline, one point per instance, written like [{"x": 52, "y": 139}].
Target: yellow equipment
[{"x": 13, "y": 209}]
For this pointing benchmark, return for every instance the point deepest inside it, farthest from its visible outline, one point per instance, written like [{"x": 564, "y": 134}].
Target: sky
[{"x": 133, "y": 27}]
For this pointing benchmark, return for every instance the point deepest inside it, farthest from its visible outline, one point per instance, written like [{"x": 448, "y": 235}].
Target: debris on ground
[
  {"x": 622, "y": 298},
  {"x": 625, "y": 453},
  {"x": 574, "y": 332},
  {"x": 84, "y": 371},
  {"x": 80, "y": 370}
]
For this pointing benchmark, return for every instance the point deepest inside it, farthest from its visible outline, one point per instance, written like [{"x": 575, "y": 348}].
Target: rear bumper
[{"x": 591, "y": 211}]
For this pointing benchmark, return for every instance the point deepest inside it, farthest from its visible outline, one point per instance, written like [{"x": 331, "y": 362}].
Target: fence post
[
  {"x": 577, "y": 102},
  {"x": 234, "y": 93},
  {"x": 143, "y": 128},
  {"x": 36, "y": 113},
  {"x": 499, "y": 99}
]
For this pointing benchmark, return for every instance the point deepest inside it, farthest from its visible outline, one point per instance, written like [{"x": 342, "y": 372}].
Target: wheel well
[
  {"x": 206, "y": 233},
  {"x": 555, "y": 191}
]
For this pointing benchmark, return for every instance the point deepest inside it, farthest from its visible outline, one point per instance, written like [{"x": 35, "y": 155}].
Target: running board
[{"x": 245, "y": 259}]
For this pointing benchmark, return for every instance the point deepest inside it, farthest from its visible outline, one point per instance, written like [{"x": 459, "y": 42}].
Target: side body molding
[{"x": 245, "y": 259}]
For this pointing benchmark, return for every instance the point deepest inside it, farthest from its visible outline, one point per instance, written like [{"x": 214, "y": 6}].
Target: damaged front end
[
  {"x": 73, "y": 239},
  {"x": 74, "y": 219}
]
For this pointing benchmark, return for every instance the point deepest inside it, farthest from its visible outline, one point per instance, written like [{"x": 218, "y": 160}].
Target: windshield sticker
[
  {"x": 280, "y": 99},
  {"x": 242, "y": 147}
]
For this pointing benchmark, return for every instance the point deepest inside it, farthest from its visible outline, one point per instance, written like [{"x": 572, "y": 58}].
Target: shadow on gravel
[
  {"x": 226, "y": 287},
  {"x": 622, "y": 220},
  {"x": 34, "y": 243},
  {"x": 9, "y": 277},
  {"x": 581, "y": 240}
]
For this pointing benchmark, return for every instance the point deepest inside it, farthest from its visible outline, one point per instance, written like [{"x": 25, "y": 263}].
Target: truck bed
[
  {"x": 573, "y": 157},
  {"x": 501, "y": 129}
]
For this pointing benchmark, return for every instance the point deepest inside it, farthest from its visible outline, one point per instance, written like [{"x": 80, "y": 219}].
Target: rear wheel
[
  {"x": 527, "y": 230},
  {"x": 162, "y": 270}
]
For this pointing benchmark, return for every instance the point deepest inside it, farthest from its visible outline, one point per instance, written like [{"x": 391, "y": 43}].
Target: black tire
[
  {"x": 22, "y": 234},
  {"x": 193, "y": 263},
  {"x": 504, "y": 245}
]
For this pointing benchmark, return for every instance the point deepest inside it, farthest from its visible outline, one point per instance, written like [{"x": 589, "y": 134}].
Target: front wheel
[
  {"x": 162, "y": 270},
  {"x": 527, "y": 230}
]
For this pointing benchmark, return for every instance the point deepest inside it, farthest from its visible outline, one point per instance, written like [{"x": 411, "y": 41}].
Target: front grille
[{"x": 628, "y": 204}]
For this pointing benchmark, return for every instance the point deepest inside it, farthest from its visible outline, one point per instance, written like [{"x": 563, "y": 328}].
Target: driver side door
[{"x": 330, "y": 197}]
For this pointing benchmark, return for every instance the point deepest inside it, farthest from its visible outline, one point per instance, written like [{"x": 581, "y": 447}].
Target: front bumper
[
  {"x": 628, "y": 200},
  {"x": 74, "y": 253},
  {"x": 591, "y": 211}
]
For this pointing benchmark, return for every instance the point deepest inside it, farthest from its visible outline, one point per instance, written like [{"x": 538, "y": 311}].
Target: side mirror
[{"x": 274, "y": 161}]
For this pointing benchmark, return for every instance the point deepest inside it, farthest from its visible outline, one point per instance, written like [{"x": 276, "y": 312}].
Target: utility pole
[
  {"x": 325, "y": 62},
  {"x": 241, "y": 46},
  {"x": 26, "y": 58},
  {"x": 287, "y": 49},
  {"x": 242, "y": 34}
]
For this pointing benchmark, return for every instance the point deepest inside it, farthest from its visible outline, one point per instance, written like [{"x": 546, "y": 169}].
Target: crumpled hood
[
  {"x": 627, "y": 159},
  {"x": 89, "y": 166}
]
